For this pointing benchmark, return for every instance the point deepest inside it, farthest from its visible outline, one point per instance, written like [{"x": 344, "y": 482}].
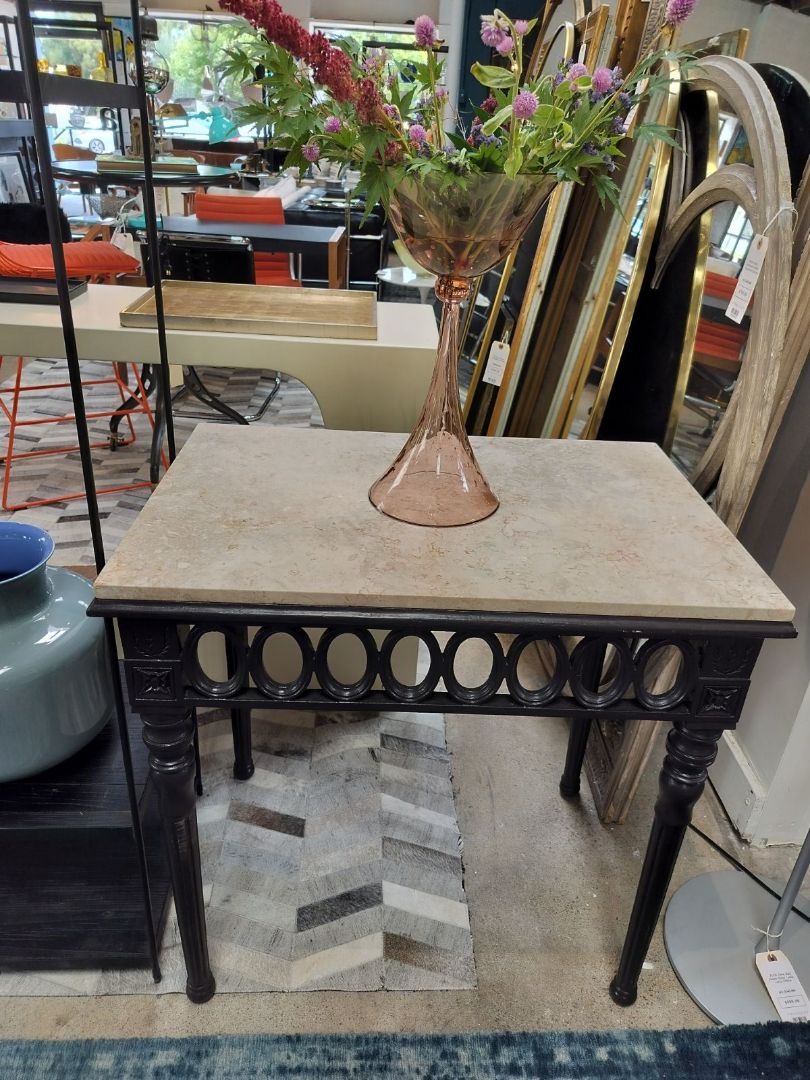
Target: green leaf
[
  {"x": 547, "y": 116},
  {"x": 488, "y": 75},
  {"x": 498, "y": 118}
]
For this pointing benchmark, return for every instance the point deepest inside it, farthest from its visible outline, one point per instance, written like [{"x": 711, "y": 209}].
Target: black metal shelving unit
[{"x": 32, "y": 90}]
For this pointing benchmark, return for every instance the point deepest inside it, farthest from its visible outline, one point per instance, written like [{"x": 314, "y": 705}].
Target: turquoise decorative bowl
[{"x": 55, "y": 684}]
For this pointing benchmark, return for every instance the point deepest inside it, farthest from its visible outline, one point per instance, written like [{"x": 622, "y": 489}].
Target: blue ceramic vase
[{"x": 55, "y": 685}]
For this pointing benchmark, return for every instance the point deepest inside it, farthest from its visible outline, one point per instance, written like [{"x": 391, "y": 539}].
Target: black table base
[{"x": 167, "y": 683}]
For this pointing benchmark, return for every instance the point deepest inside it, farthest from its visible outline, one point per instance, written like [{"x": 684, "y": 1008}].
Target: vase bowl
[{"x": 464, "y": 231}]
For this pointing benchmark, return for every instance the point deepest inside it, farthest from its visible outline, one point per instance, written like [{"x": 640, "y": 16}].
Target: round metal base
[{"x": 711, "y": 943}]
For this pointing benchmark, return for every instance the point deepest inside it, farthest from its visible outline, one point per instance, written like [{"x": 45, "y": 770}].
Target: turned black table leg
[
  {"x": 169, "y": 734},
  {"x": 243, "y": 767},
  {"x": 690, "y": 752},
  {"x": 581, "y": 725},
  {"x": 575, "y": 756}
]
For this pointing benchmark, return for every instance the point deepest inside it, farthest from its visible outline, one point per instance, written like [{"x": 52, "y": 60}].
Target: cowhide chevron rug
[{"x": 337, "y": 866}]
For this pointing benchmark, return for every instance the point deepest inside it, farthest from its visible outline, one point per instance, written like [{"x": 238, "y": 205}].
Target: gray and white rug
[{"x": 337, "y": 866}]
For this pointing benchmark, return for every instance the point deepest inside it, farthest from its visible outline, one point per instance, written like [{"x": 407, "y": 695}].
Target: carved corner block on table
[{"x": 597, "y": 549}]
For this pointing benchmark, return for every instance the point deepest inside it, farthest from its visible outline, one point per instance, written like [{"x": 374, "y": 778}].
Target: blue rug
[{"x": 778, "y": 1051}]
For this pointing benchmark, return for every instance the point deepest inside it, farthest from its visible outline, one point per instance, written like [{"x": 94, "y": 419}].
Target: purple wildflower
[
  {"x": 525, "y": 105},
  {"x": 374, "y": 63},
  {"x": 489, "y": 104},
  {"x": 425, "y": 31},
  {"x": 332, "y": 125},
  {"x": 311, "y": 152},
  {"x": 611, "y": 164},
  {"x": 505, "y": 45},
  {"x": 559, "y": 78},
  {"x": 618, "y": 75},
  {"x": 618, "y": 126},
  {"x": 626, "y": 100},
  {"x": 441, "y": 92},
  {"x": 602, "y": 80},
  {"x": 577, "y": 71},
  {"x": 424, "y": 150},
  {"x": 521, "y": 26},
  {"x": 590, "y": 149},
  {"x": 678, "y": 11},
  {"x": 595, "y": 96},
  {"x": 491, "y": 34},
  {"x": 417, "y": 134}
]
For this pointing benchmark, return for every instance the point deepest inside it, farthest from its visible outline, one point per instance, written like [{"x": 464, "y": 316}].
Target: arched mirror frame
[
  {"x": 736, "y": 452},
  {"x": 763, "y": 190}
]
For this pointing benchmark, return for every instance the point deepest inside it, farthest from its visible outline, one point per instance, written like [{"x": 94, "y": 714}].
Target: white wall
[
  {"x": 762, "y": 773},
  {"x": 782, "y": 37}
]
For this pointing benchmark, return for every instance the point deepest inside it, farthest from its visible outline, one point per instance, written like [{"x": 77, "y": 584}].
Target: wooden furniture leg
[
  {"x": 690, "y": 752},
  {"x": 337, "y": 259},
  {"x": 169, "y": 734}
]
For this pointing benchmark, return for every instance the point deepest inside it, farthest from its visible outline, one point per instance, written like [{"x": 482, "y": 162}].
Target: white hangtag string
[
  {"x": 783, "y": 209},
  {"x": 768, "y": 936}
]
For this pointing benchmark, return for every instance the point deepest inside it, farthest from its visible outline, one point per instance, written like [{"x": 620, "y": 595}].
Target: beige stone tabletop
[{"x": 281, "y": 516}]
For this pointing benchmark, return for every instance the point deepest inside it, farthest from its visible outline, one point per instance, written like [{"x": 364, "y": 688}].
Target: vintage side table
[{"x": 596, "y": 547}]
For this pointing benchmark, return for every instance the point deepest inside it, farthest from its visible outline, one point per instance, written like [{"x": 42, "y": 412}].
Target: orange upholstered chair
[
  {"x": 96, "y": 261},
  {"x": 719, "y": 344},
  {"x": 270, "y": 269}
]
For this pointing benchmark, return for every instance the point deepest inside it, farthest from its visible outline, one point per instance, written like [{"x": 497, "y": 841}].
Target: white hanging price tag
[
  {"x": 496, "y": 363},
  {"x": 161, "y": 201},
  {"x": 747, "y": 281},
  {"x": 783, "y": 985}
]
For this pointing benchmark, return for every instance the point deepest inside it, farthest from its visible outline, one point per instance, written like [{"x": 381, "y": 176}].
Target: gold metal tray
[{"x": 259, "y": 309}]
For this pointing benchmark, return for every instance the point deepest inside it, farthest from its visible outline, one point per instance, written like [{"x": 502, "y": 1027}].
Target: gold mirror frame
[
  {"x": 593, "y": 314},
  {"x": 592, "y": 33},
  {"x": 473, "y": 407},
  {"x": 571, "y": 215}
]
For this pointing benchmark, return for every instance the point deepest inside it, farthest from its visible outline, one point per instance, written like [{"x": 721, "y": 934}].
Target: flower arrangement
[{"x": 389, "y": 120}]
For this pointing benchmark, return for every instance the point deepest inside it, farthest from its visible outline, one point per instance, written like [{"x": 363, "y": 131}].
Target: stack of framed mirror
[
  {"x": 569, "y": 30},
  {"x": 697, "y": 373}
]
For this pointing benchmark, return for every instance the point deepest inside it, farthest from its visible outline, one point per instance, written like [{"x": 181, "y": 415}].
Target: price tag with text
[
  {"x": 747, "y": 281},
  {"x": 496, "y": 363},
  {"x": 783, "y": 985}
]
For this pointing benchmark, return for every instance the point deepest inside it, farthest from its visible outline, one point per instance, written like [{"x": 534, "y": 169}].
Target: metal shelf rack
[{"x": 31, "y": 90}]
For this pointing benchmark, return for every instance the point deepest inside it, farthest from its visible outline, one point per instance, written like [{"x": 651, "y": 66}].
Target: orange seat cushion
[
  {"x": 269, "y": 269},
  {"x": 82, "y": 260}
]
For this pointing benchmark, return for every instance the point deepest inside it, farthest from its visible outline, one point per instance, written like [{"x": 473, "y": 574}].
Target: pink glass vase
[{"x": 457, "y": 233}]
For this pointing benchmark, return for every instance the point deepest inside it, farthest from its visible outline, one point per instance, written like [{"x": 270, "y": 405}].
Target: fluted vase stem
[{"x": 435, "y": 479}]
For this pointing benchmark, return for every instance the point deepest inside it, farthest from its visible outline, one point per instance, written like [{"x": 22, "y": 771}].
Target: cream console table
[
  {"x": 597, "y": 547},
  {"x": 359, "y": 384}
]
